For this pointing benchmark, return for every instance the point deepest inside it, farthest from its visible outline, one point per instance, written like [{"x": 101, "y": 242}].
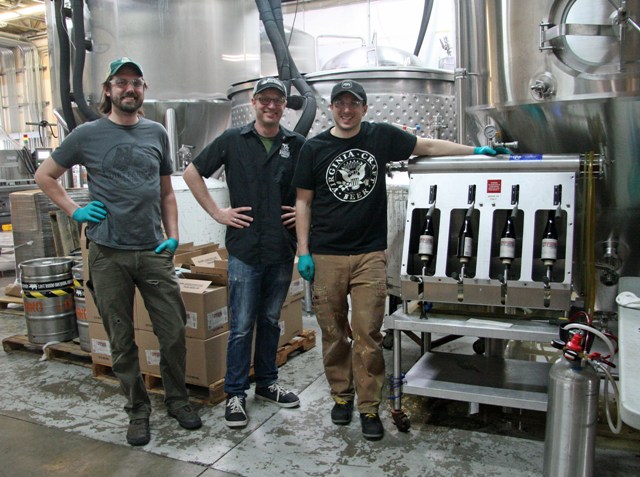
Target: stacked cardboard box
[
  {"x": 206, "y": 332},
  {"x": 31, "y": 224},
  {"x": 207, "y": 329}
]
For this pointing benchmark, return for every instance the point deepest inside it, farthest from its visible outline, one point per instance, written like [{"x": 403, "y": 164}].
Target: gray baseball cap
[
  {"x": 349, "y": 86},
  {"x": 266, "y": 83}
]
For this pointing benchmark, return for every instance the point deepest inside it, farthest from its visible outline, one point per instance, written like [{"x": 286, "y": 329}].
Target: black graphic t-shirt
[
  {"x": 349, "y": 209},
  {"x": 124, "y": 165}
]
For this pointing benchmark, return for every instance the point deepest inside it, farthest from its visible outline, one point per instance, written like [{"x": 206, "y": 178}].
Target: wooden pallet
[
  {"x": 301, "y": 343},
  {"x": 212, "y": 394},
  {"x": 5, "y": 301},
  {"x": 152, "y": 383},
  {"x": 68, "y": 351},
  {"x": 298, "y": 344}
]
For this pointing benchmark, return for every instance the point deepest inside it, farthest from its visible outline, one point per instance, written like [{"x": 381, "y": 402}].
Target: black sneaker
[
  {"x": 187, "y": 417},
  {"x": 371, "y": 426},
  {"x": 138, "y": 433},
  {"x": 342, "y": 412},
  {"x": 235, "y": 414},
  {"x": 279, "y": 395}
]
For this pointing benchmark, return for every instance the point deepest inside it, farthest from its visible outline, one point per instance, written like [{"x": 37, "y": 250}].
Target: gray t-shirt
[{"x": 124, "y": 165}]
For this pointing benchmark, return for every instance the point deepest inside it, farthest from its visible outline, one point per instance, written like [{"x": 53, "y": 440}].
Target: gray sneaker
[
  {"x": 138, "y": 432},
  {"x": 279, "y": 395}
]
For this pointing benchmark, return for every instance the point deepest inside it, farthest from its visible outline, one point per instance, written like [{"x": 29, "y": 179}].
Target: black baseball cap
[
  {"x": 349, "y": 86},
  {"x": 266, "y": 83}
]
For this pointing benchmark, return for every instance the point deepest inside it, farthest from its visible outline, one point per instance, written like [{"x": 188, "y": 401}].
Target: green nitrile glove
[
  {"x": 92, "y": 212},
  {"x": 306, "y": 267},
  {"x": 484, "y": 150},
  {"x": 503, "y": 150},
  {"x": 170, "y": 244}
]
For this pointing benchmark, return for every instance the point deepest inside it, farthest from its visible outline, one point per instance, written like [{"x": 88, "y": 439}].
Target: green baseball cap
[{"x": 115, "y": 65}]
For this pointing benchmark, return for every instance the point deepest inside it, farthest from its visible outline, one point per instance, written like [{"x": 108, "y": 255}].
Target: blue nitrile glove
[
  {"x": 170, "y": 244},
  {"x": 485, "y": 150},
  {"x": 306, "y": 267},
  {"x": 92, "y": 212}
]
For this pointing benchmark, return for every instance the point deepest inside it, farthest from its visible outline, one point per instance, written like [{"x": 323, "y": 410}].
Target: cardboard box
[
  {"x": 141, "y": 319},
  {"x": 100, "y": 347},
  {"x": 213, "y": 264},
  {"x": 206, "y": 359},
  {"x": 206, "y": 306},
  {"x": 91, "y": 310},
  {"x": 207, "y": 311},
  {"x": 290, "y": 322},
  {"x": 14, "y": 289},
  {"x": 148, "y": 352},
  {"x": 184, "y": 255}
]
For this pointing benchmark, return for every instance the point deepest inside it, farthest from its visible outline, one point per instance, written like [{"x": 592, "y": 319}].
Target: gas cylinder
[{"x": 572, "y": 413}]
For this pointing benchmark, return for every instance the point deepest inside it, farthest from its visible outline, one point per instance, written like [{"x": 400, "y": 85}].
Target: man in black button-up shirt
[{"x": 259, "y": 160}]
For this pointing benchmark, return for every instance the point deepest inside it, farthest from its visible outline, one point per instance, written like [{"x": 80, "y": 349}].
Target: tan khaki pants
[{"x": 352, "y": 368}]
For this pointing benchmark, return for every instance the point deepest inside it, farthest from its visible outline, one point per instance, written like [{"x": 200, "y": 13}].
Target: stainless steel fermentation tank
[
  {"x": 420, "y": 99},
  {"x": 191, "y": 52},
  {"x": 563, "y": 77}
]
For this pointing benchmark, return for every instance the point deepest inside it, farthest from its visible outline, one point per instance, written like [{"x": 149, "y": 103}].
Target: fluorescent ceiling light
[
  {"x": 8, "y": 16},
  {"x": 33, "y": 10},
  {"x": 22, "y": 12}
]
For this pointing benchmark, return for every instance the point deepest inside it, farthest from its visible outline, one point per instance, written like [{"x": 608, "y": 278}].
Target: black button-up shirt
[{"x": 260, "y": 180}]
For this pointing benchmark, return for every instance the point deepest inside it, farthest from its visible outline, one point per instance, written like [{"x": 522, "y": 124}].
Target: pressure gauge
[{"x": 490, "y": 131}]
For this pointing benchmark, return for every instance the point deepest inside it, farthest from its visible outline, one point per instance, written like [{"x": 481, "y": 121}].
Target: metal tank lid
[
  {"x": 360, "y": 74},
  {"x": 372, "y": 56}
]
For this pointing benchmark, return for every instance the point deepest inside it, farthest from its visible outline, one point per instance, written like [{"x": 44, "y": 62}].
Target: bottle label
[
  {"x": 549, "y": 249},
  {"x": 467, "y": 250},
  {"x": 426, "y": 245},
  {"x": 507, "y": 247}
]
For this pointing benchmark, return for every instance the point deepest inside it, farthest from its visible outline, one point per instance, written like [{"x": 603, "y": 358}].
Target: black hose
[
  {"x": 275, "y": 38},
  {"x": 426, "y": 16},
  {"x": 65, "y": 67},
  {"x": 77, "y": 18},
  {"x": 271, "y": 16}
]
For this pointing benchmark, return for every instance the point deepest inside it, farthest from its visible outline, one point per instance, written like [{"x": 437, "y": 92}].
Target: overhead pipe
[
  {"x": 271, "y": 16},
  {"x": 32, "y": 79},
  {"x": 81, "y": 46},
  {"x": 8, "y": 70},
  {"x": 65, "y": 67},
  {"x": 426, "y": 17}
]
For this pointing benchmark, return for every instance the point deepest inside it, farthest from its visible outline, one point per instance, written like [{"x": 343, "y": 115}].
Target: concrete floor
[{"x": 56, "y": 419}]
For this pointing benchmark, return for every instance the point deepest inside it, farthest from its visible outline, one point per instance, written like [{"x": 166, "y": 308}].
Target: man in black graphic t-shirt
[{"x": 341, "y": 226}]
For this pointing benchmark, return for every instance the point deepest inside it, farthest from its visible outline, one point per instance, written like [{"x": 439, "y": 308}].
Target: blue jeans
[{"x": 256, "y": 295}]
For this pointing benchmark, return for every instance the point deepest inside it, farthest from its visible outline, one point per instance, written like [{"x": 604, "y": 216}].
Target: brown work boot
[
  {"x": 138, "y": 433},
  {"x": 187, "y": 417}
]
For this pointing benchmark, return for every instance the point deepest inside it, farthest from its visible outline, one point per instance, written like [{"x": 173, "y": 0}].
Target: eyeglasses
[
  {"x": 266, "y": 101},
  {"x": 123, "y": 83},
  {"x": 340, "y": 103}
]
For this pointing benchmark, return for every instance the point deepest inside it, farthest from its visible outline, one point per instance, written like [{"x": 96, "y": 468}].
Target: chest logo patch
[
  {"x": 284, "y": 151},
  {"x": 352, "y": 175}
]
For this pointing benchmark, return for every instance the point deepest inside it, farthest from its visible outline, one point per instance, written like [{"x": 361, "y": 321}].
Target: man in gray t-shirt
[{"x": 129, "y": 175}]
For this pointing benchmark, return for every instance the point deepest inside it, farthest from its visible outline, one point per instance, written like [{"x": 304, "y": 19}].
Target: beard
[{"x": 127, "y": 107}]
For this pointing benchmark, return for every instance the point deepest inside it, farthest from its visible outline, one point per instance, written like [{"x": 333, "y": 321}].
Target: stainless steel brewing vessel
[{"x": 562, "y": 76}]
